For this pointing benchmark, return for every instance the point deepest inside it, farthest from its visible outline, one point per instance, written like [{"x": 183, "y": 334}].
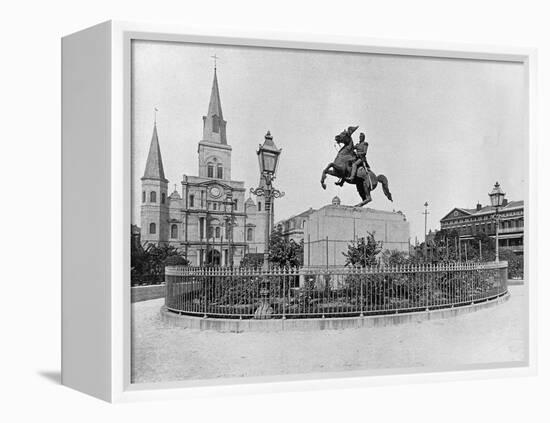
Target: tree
[
  {"x": 252, "y": 260},
  {"x": 363, "y": 252},
  {"x": 446, "y": 245},
  {"x": 515, "y": 263},
  {"x": 148, "y": 262},
  {"x": 176, "y": 260},
  {"x": 487, "y": 247},
  {"x": 138, "y": 260},
  {"x": 395, "y": 258},
  {"x": 284, "y": 252}
]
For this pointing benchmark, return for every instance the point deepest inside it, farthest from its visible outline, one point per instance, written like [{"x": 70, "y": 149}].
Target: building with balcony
[{"x": 481, "y": 220}]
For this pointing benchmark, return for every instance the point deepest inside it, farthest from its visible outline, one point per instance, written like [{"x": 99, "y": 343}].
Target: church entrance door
[{"x": 214, "y": 258}]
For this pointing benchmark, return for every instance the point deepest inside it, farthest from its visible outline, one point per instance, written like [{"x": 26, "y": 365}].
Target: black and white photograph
[
  {"x": 289, "y": 211},
  {"x": 311, "y": 213}
]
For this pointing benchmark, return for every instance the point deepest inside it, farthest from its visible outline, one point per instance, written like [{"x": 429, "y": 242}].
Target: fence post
[
  {"x": 426, "y": 279},
  {"x": 308, "y": 249},
  {"x": 326, "y": 247},
  {"x": 475, "y": 275},
  {"x": 361, "y": 294},
  {"x": 205, "y": 289},
  {"x": 480, "y": 254}
]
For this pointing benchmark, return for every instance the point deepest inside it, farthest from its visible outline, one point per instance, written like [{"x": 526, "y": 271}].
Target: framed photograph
[{"x": 301, "y": 210}]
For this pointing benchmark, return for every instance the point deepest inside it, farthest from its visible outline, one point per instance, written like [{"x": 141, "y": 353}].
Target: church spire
[
  {"x": 214, "y": 125},
  {"x": 215, "y": 105},
  {"x": 154, "y": 168}
]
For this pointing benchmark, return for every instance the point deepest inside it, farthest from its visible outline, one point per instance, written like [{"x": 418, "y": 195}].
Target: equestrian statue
[{"x": 351, "y": 166}]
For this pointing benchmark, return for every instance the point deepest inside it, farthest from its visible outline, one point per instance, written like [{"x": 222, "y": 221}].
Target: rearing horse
[{"x": 364, "y": 181}]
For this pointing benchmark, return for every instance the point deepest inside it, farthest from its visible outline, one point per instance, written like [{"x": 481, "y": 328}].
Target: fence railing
[{"x": 330, "y": 292}]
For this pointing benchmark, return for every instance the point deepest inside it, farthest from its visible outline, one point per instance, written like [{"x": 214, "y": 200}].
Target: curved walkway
[{"x": 163, "y": 352}]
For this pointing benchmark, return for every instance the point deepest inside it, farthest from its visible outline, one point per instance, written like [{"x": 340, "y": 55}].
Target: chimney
[{"x": 478, "y": 207}]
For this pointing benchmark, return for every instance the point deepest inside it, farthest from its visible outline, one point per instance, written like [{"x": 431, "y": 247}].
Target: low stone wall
[
  {"x": 147, "y": 292},
  {"x": 515, "y": 282},
  {"x": 274, "y": 325}
]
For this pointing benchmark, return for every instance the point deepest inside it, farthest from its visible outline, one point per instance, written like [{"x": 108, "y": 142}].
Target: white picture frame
[{"x": 96, "y": 161}]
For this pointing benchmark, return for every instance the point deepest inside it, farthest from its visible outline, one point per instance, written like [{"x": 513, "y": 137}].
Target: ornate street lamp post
[
  {"x": 268, "y": 158},
  {"x": 426, "y": 213},
  {"x": 229, "y": 223},
  {"x": 497, "y": 199}
]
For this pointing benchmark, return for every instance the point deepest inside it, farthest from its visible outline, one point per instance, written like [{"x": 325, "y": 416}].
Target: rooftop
[{"x": 511, "y": 205}]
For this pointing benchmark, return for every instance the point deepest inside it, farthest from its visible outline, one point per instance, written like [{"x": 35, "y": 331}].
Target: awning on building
[
  {"x": 508, "y": 236},
  {"x": 500, "y": 236}
]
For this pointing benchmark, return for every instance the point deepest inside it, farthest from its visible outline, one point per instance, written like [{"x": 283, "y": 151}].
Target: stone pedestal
[{"x": 329, "y": 230}]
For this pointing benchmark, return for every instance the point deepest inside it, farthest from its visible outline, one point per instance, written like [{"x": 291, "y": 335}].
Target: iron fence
[{"x": 330, "y": 292}]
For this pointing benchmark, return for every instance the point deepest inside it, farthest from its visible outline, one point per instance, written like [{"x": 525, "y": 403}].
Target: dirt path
[{"x": 165, "y": 353}]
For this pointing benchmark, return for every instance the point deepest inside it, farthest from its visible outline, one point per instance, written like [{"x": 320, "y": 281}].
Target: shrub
[
  {"x": 363, "y": 252},
  {"x": 515, "y": 263},
  {"x": 148, "y": 262},
  {"x": 395, "y": 258},
  {"x": 252, "y": 260},
  {"x": 285, "y": 252},
  {"x": 176, "y": 261}
]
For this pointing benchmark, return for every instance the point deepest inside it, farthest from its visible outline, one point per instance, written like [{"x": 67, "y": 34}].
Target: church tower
[
  {"x": 214, "y": 152},
  {"x": 154, "y": 202}
]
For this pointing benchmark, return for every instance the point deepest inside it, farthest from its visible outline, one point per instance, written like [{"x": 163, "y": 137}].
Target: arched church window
[
  {"x": 153, "y": 197},
  {"x": 259, "y": 206},
  {"x": 219, "y": 170},
  {"x": 143, "y": 197},
  {"x": 163, "y": 198},
  {"x": 235, "y": 204},
  {"x": 217, "y": 232},
  {"x": 249, "y": 234},
  {"x": 210, "y": 171},
  {"x": 174, "y": 231},
  {"x": 152, "y": 228},
  {"x": 191, "y": 200}
]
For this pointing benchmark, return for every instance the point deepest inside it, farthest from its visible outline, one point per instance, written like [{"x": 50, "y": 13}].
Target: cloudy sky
[{"x": 441, "y": 130}]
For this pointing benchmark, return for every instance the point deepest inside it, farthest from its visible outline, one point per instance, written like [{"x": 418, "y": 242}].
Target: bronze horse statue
[{"x": 365, "y": 181}]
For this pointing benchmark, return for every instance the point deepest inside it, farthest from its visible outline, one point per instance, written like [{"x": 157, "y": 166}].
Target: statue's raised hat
[{"x": 352, "y": 129}]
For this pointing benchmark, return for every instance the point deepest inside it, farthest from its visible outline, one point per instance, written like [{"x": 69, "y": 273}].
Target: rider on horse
[
  {"x": 348, "y": 157},
  {"x": 341, "y": 138},
  {"x": 361, "y": 151}
]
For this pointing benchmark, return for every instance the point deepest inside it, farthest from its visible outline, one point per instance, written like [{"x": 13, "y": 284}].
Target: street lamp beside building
[
  {"x": 497, "y": 200},
  {"x": 268, "y": 158}
]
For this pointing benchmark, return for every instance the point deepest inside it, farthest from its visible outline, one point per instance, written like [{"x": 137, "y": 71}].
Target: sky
[{"x": 442, "y": 131}]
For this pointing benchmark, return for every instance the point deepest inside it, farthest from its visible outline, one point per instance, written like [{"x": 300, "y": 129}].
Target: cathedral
[{"x": 210, "y": 221}]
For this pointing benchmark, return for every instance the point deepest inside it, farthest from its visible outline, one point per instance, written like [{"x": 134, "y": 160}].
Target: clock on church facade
[{"x": 210, "y": 221}]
